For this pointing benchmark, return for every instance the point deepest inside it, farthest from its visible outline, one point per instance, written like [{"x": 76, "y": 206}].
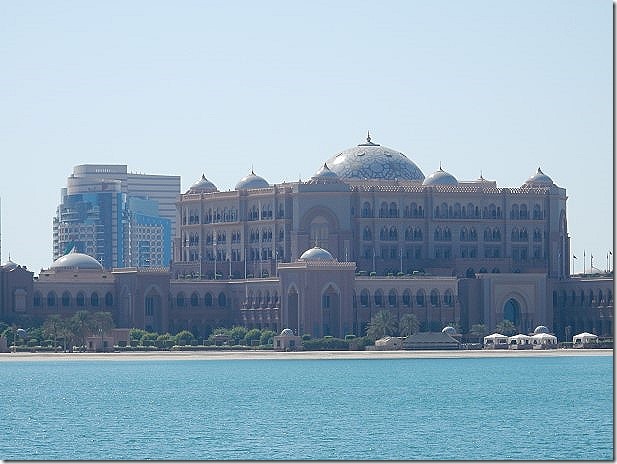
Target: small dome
[
  {"x": 539, "y": 179},
  {"x": 325, "y": 175},
  {"x": 287, "y": 333},
  {"x": 9, "y": 265},
  {"x": 316, "y": 254},
  {"x": 76, "y": 260},
  {"x": 541, "y": 329},
  {"x": 440, "y": 177},
  {"x": 449, "y": 330},
  {"x": 202, "y": 185},
  {"x": 371, "y": 161},
  {"x": 252, "y": 181}
]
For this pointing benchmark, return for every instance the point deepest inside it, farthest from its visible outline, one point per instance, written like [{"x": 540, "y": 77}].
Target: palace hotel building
[{"x": 367, "y": 232}]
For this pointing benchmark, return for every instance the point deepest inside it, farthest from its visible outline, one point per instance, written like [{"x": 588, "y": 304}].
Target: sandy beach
[{"x": 254, "y": 354}]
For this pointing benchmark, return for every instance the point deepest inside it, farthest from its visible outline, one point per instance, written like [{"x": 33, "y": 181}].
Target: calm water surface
[{"x": 507, "y": 408}]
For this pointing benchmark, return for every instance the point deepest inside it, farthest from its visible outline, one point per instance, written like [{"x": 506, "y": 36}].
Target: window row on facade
[
  {"x": 230, "y": 214},
  {"x": 195, "y": 300},
  {"x": 421, "y": 298},
  {"x": 518, "y": 253},
  {"x": 450, "y": 211},
  {"x": 264, "y": 235},
  {"x": 470, "y": 234},
  {"x": 66, "y": 300},
  {"x": 583, "y": 298}
]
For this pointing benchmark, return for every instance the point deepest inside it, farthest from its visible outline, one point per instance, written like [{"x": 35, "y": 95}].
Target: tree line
[{"x": 69, "y": 332}]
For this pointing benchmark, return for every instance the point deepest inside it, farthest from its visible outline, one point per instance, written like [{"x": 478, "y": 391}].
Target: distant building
[{"x": 121, "y": 219}]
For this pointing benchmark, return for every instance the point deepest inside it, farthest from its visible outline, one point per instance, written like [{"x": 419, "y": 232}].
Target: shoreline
[{"x": 280, "y": 355}]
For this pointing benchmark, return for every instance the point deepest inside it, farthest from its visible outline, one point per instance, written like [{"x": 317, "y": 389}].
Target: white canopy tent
[
  {"x": 584, "y": 338},
  {"x": 519, "y": 342},
  {"x": 495, "y": 340},
  {"x": 543, "y": 341}
]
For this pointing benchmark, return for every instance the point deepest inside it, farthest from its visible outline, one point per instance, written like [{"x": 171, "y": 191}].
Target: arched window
[
  {"x": 383, "y": 210},
  {"x": 36, "y": 299},
  {"x": 448, "y": 298},
  {"x": 457, "y": 210},
  {"x": 81, "y": 299},
  {"x": 66, "y": 299},
  {"x": 434, "y": 298},
  {"x": 109, "y": 299},
  {"x": 407, "y": 298},
  {"x": 222, "y": 300},
  {"x": 420, "y": 298},
  {"x": 393, "y": 234},
  {"x": 180, "y": 300},
  {"x": 51, "y": 299},
  {"x": 393, "y": 211},
  {"x": 194, "y": 299},
  {"x": 378, "y": 298},
  {"x": 366, "y": 209},
  {"x": 392, "y": 298},
  {"x": 94, "y": 299},
  {"x": 208, "y": 300},
  {"x": 364, "y": 297},
  {"x": 366, "y": 234}
]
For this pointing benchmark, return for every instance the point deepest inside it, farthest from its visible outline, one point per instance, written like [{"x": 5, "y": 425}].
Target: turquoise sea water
[{"x": 404, "y": 409}]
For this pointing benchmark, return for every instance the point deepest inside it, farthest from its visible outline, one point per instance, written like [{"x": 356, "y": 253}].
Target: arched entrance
[
  {"x": 512, "y": 311},
  {"x": 331, "y": 311},
  {"x": 152, "y": 310},
  {"x": 292, "y": 311}
]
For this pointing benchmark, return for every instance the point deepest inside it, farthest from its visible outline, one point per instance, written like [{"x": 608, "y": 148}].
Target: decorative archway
[
  {"x": 331, "y": 310},
  {"x": 512, "y": 311},
  {"x": 292, "y": 309}
]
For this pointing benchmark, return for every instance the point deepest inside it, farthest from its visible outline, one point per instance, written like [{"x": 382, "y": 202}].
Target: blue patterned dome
[
  {"x": 203, "y": 185},
  {"x": 374, "y": 162},
  {"x": 440, "y": 177},
  {"x": 252, "y": 181}
]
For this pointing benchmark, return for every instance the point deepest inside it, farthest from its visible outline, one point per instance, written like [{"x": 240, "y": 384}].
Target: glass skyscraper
[{"x": 121, "y": 219}]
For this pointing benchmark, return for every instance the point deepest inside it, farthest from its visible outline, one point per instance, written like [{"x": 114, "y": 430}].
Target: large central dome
[{"x": 374, "y": 162}]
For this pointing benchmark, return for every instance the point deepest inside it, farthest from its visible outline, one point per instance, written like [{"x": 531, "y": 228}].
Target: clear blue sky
[{"x": 215, "y": 87}]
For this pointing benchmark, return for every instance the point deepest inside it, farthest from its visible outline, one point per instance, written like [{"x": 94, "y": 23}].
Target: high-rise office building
[{"x": 122, "y": 219}]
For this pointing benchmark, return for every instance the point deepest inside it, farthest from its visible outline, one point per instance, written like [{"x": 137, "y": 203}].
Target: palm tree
[
  {"x": 82, "y": 325},
  {"x": 478, "y": 331},
  {"x": 382, "y": 324},
  {"x": 52, "y": 327},
  {"x": 103, "y": 322},
  {"x": 408, "y": 325},
  {"x": 506, "y": 328}
]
